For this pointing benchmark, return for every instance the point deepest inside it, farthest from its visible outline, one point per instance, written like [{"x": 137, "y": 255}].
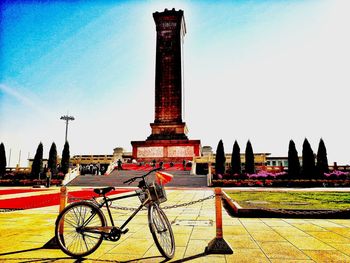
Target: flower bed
[{"x": 262, "y": 175}]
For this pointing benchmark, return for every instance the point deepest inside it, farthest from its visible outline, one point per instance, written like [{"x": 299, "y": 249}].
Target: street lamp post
[{"x": 67, "y": 119}]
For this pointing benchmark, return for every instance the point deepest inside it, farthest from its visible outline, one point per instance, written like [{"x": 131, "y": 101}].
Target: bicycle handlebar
[{"x": 142, "y": 176}]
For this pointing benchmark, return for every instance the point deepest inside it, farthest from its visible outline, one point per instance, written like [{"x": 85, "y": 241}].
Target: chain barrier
[
  {"x": 125, "y": 208},
  {"x": 91, "y": 199},
  {"x": 76, "y": 199},
  {"x": 305, "y": 212},
  {"x": 166, "y": 207},
  {"x": 72, "y": 198},
  {"x": 189, "y": 203}
]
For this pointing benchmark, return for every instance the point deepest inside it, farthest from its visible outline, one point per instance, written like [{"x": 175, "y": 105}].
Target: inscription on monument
[
  {"x": 180, "y": 151},
  {"x": 149, "y": 152}
]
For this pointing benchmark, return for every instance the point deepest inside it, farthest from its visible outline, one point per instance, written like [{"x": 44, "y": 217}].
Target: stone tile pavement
[{"x": 24, "y": 233}]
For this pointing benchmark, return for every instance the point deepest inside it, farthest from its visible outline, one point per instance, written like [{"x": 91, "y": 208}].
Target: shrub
[
  {"x": 293, "y": 161},
  {"x": 249, "y": 159},
  {"x": 37, "y": 166},
  {"x": 2, "y": 160},
  {"x": 220, "y": 159},
  {"x": 236, "y": 159},
  {"x": 308, "y": 160}
]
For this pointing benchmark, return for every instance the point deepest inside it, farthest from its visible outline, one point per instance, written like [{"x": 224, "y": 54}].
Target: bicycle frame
[
  {"x": 143, "y": 188},
  {"x": 106, "y": 200},
  {"x": 105, "y": 203}
]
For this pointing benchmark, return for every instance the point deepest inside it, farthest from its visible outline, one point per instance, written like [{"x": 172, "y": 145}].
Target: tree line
[
  {"x": 37, "y": 166},
  {"x": 308, "y": 169}
]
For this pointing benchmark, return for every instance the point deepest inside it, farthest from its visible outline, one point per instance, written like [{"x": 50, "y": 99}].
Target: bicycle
[{"x": 82, "y": 226}]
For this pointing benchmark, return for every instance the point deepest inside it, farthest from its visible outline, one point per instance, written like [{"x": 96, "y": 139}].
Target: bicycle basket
[{"x": 157, "y": 193}]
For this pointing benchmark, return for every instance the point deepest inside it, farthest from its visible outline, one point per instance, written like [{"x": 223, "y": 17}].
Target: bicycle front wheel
[
  {"x": 70, "y": 224},
  {"x": 161, "y": 231}
]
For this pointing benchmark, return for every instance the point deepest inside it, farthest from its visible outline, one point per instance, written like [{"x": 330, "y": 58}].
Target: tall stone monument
[{"x": 168, "y": 140}]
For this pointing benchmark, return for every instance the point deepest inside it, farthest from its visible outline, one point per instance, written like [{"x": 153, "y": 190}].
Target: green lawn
[{"x": 291, "y": 200}]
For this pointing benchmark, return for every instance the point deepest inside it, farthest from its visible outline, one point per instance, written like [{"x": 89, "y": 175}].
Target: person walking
[
  {"x": 98, "y": 168},
  {"x": 120, "y": 165},
  {"x": 48, "y": 177}
]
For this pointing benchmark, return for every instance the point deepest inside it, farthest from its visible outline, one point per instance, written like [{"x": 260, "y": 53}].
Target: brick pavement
[{"x": 23, "y": 234}]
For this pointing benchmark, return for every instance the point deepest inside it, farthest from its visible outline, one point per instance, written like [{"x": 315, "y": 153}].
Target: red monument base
[{"x": 165, "y": 150}]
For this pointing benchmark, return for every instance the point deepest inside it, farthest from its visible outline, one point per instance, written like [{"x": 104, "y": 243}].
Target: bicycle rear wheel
[
  {"x": 161, "y": 231},
  {"x": 69, "y": 232}
]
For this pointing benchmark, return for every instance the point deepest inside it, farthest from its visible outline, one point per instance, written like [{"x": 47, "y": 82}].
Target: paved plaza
[{"x": 24, "y": 233}]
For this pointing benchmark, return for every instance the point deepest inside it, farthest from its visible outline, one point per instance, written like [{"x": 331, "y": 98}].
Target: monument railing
[
  {"x": 111, "y": 166},
  {"x": 71, "y": 175}
]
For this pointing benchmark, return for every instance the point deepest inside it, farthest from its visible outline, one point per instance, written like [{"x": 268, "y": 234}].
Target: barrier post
[
  {"x": 52, "y": 243},
  {"x": 63, "y": 203},
  {"x": 63, "y": 198},
  {"x": 218, "y": 245}
]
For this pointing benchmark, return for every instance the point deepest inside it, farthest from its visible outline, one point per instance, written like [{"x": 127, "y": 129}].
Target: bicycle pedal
[{"x": 125, "y": 231}]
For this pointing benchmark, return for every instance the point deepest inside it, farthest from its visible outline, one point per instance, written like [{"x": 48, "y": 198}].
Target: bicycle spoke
[
  {"x": 85, "y": 214},
  {"x": 162, "y": 233},
  {"x": 70, "y": 222},
  {"x": 75, "y": 216},
  {"x": 89, "y": 241},
  {"x": 69, "y": 245},
  {"x": 80, "y": 216},
  {"x": 87, "y": 248}
]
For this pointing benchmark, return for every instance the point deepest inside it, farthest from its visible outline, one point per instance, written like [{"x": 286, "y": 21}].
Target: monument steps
[{"x": 116, "y": 178}]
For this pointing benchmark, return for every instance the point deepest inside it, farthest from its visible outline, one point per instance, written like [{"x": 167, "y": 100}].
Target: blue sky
[{"x": 268, "y": 71}]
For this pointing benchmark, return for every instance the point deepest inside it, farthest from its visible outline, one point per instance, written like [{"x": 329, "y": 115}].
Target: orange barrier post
[
  {"x": 218, "y": 245},
  {"x": 52, "y": 243},
  {"x": 63, "y": 203},
  {"x": 63, "y": 198}
]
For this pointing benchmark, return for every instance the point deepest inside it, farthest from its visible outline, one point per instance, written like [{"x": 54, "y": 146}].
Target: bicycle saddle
[{"x": 103, "y": 191}]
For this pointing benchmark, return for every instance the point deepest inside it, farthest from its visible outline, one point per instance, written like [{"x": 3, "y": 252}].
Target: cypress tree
[
  {"x": 293, "y": 161},
  {"x": 52, "y": 162},
  {"x": 236, "y": 159},
  {"x": 2, "y": 160},
  {"x": 322, "y": 160},
  {"x": 249, "y": 159},
  {"x": 65, "y": 158},
  {"x": 220, "y": 159},
  {"x": 308, "y": 160},
  {"x": 37, "y": 166}
]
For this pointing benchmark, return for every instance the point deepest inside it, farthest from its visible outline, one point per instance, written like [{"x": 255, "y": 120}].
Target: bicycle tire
[
  {"x": 72, "y": 242},
  {"x": 161, "y": 230}
]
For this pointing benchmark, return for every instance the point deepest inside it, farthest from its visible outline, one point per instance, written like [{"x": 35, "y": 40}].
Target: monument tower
[{"x": 168, "y": 140}]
